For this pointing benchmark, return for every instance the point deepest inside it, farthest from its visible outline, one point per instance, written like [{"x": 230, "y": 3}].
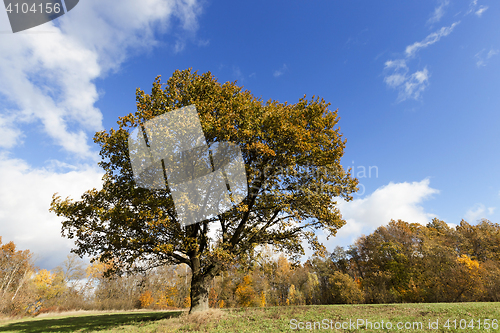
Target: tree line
[
  {"x": 399, "y": 262},
  {"x": 75, "y": 285}
]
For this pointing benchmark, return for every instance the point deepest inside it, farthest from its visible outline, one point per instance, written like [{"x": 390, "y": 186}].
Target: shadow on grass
[{"x": 85, "y": 323}]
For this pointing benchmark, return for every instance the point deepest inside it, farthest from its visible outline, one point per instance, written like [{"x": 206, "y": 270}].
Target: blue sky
[{"x": 416, "y": 84}]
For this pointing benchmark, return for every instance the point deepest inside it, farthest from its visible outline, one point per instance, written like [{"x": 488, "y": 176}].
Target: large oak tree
[{"x": 292, "y": 155}]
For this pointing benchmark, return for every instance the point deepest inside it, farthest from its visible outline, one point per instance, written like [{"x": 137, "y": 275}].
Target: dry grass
[
  {"x": 195, "y": 322},
  {"x": 92, "y": 312},
  {"x": 4, "y": 318}
]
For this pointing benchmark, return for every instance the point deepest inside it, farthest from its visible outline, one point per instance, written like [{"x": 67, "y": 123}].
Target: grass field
[{"x": 456, "y": 317}]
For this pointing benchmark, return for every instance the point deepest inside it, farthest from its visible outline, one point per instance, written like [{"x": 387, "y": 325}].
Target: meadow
[{"x": 423, "y": 317}]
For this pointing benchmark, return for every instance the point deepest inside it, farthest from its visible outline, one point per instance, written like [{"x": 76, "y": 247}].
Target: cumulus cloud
[
  {"x": 397, "y": 72},
  {"x": 393, "y": 201},
  {"x": 47, "y": 81},
  {"x": 9, "y": 135},
  {"x": 48, "y": 77},
  {"x": 25, "y": 196},
  {"x": 477, "y": 212},
  {"x": 438, "y": 12}
]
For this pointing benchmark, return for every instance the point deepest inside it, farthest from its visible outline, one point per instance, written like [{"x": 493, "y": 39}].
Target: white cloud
[
  {"x": 491, "y": 53},
  {"x": 415, "y": 85},
  {"x": 483, "y": 57},
  {"x": 9, "y": 134},
  {"x": 438, "y": 12},
  {"x": 393, "y": 201},
  {"x": 478, "y": 11},
  {"x": 481, "y": 10},
  {"x": 281, "y": 71},
  {"x": 25, "y": 196},
  {"x": 434, "y": 37},
  {"x": 399, "y": 76},
  {"x": 49, "y": 76},
  {"x": 477, "y": 212},
  {"x": 179, "y": 46},
  {"x": 238, "y": 74},
  {"x": 472, "y": 7},
  {"x": 411, "y": 86},
  {"x": 202, "y": 42}
]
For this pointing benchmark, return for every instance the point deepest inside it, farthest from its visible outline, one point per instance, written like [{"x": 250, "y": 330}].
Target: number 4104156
[
  {"x": 25, "y": 8},
  {"x": 478, "y": 323}
]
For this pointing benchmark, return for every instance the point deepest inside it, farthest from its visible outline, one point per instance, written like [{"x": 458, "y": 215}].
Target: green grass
[
  {"x": 273, "y": 319},
  {"x": 130, "y": 321}
]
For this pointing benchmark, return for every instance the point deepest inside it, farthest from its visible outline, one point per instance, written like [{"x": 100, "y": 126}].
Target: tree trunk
[
  {"x": 200, "y": 286},
  {"x": 200, "y": 279},
  {"x": 20, "y": 283}
]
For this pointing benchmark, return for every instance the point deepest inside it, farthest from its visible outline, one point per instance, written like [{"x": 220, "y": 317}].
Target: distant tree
[
  {"x": 439, "y": 251},
  {"x": 469, "y": 274},
  {"x": 16, "y": 267},
  {"x": 481, "y": 241},
  {"x": 146, "y": 299},
  {"x": 388, "y": 261},
  {"x": 166, "y": 287},
  {"x": 113, "y": 291},
  {"x": 310, "y": 287},
  {"x": 344, "y": 290},
  {"x": 72, "y": 270},
  {"x": 491, "y": 281},
  {"x": 72, "y": 273},
  {"x": 292, "y": 156},
  {"x": 245, "y": 294},
  {"x": 50, "y": 287}
]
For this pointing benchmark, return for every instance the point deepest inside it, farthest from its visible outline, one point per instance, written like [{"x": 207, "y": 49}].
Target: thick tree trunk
[
  {"x": 201, "y": 278},
  {"x": 200, "y": 286}
]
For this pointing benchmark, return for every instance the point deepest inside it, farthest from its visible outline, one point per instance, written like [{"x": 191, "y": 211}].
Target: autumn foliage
[
  {"x": 16, "y": 268},
  {"x": 399, "y": 262},
  {"x": 291, "y": 155}
]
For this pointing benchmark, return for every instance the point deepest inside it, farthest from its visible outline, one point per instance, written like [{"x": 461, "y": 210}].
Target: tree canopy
[{"x": 292, "y": 155}]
